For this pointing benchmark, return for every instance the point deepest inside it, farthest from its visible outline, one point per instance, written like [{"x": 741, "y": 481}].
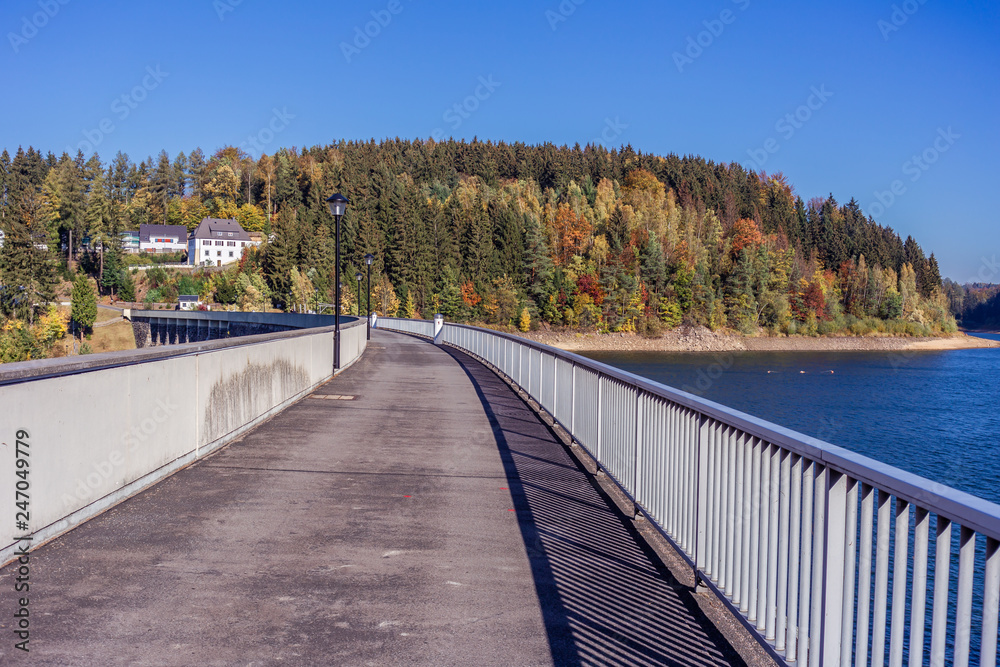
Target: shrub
[
  {"x": 157, "y": 277},
  {"x": 649, "y": 327}
]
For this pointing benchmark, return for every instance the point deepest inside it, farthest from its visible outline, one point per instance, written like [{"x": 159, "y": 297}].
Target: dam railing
[{"x": 827, "y": 557}]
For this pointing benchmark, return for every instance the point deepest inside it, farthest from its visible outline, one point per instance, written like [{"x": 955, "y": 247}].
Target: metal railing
[{"x": 826, "y": 556}]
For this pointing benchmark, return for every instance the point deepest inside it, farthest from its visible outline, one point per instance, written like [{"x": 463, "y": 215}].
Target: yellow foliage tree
[
  {"x": 302, "y": 289},
  {"x": 386, "y": 302},
  {"x": 51, "y": 326},
  {"x": 224, "y": 183},
  {"x": 410, "y": 308},
  {"x": 251, "y": 218}
]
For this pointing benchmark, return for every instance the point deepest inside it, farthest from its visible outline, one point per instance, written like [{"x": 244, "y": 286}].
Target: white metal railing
[
  {"x": 419, "y": 327},
  {"x": 827, "y": 556}
]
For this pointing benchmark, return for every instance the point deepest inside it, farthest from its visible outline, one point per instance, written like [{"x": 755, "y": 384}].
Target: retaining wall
[{"x": 103, "y": 427}]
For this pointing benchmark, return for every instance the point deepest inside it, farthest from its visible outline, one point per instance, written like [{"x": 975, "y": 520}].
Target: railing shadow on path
[{"x": 605, "y": 596}]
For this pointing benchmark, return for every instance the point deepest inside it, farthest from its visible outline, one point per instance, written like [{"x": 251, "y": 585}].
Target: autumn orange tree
[{"x": 572, "y": 232}]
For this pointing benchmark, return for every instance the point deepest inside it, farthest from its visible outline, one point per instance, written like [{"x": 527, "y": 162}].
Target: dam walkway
[{"x": 413, "y": 510}]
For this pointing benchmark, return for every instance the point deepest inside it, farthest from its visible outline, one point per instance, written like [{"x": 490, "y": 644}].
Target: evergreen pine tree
[{"x": 83, "y": 310}]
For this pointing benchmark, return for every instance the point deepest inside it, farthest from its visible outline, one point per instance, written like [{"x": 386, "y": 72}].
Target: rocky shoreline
[{"x": 700, "y": 339}]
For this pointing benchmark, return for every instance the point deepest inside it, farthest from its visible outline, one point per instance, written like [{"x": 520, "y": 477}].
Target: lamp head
[{"x": 338, "y": 205}]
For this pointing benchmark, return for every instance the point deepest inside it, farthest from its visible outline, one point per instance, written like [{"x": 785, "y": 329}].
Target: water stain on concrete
[{"x": 250, "y": 393}]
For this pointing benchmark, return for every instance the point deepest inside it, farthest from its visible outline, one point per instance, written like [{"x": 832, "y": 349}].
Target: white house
[
  {"x": 188, "y": 301},
  {"x": 217, "y": 243},
  {"x": 163, "y": 238}
]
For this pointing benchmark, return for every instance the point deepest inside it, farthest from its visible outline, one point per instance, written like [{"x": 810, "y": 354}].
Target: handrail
[{"x": 783, "y": 527}]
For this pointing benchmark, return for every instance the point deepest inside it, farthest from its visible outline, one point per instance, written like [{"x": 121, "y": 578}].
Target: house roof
[
  {"x": 148, "y": 231},
  {"x": 213, "y": 228}
]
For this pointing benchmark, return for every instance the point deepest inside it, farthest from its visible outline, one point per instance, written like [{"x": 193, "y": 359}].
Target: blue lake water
[{"x": 936, "y": 414}]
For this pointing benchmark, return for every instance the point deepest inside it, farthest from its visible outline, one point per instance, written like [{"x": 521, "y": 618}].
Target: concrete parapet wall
[{"x": 102, "y": 427}]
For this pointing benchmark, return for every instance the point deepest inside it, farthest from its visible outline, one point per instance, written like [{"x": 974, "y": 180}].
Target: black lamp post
[
  {"x": 369, "y": 258},
  {"x": 358, "y": 277},
  {"x": 338, "y": 207}
]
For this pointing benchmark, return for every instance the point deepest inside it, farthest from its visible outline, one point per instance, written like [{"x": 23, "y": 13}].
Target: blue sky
[{"x": 841, "y": 97}]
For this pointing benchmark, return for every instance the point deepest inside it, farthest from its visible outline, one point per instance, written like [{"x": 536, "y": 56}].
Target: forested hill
[
  {"x": 977, "y": 305},
  {"x": 509, "y": 233}
]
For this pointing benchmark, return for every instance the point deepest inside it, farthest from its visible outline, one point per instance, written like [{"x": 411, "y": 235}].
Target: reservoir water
[{"x": 936, "y": 414}]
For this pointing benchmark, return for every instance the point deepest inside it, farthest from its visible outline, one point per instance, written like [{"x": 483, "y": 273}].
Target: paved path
[{"x": 431, "y": 520}]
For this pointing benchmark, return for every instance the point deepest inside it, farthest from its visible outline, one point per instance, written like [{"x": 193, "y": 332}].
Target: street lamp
[
  {"x": 369, "y": 258},
  {"x": 358, "y": 277},
  {"x": 338, "y": 207}
]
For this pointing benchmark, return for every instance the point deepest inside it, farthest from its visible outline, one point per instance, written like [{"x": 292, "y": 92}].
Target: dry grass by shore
[
  {"x": 109, "y": 338},
  {"x": 698, "y": 339}
]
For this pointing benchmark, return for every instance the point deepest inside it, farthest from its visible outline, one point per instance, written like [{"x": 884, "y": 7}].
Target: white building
[
  {"x": 188, "y": 301},
  {"x": 163, "y": 238},
  {"x": 217, "y": 243}
]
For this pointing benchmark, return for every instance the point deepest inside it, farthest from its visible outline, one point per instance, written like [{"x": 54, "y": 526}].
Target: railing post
[
  {"x": 701, "y": 493},
  {"x": 638, "y": 446},
  {"x": 438, "y": 329},
  {"x": 834, "y": 552},
  {"x": 555, "y": 389},
  {"x": 572, "y": 408},
  {"x": 991, "y": 603},
  {"x": 597, "y": 436}
]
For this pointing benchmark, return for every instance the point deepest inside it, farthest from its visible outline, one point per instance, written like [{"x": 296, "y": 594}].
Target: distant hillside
[
  {"x": 510, "y": 234},
  {"x": 977, "y": 306}
]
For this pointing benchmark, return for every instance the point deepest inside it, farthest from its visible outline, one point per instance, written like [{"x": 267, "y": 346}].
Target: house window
[
  {"x": 231, "y": 253},
  {"x": 218, "y": 233},
  {"x": 243, "y": 244},
  {"x": 231, "y": 243},
  {"x": 230, "y": 233},
  {"x": 207, "y": 253},
  {"x": 218, "y": 253},
  {"x": 219, "y": 242}
]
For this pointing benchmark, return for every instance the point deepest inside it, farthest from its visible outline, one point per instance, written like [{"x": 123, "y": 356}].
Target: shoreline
[{"x": 703, "y": 340}]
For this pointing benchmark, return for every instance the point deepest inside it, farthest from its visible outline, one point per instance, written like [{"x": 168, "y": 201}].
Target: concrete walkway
[{"x": 430, "y": 518}]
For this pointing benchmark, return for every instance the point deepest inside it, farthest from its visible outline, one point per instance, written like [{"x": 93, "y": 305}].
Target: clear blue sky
[{"x": 559, "y": 73}]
